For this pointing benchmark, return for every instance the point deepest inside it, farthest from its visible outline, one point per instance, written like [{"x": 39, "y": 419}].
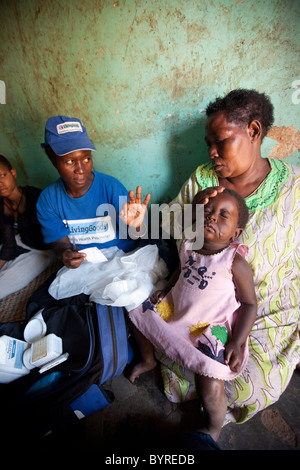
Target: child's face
[
  {"x": 7, "y": 180},
  {"x": 221, "y": 215}
]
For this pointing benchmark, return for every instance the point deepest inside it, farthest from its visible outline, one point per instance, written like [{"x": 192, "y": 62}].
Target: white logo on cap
[{"x": 69, "y": 127}]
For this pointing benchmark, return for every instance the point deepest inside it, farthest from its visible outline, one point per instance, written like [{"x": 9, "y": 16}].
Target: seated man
[{"x": 81, "y": 209}]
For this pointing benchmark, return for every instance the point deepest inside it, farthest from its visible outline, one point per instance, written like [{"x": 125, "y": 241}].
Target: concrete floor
[{"x": 141, "y": 415}]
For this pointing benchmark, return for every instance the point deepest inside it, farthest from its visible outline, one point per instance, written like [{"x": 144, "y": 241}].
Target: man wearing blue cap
[{"x": 81, "y": 209}]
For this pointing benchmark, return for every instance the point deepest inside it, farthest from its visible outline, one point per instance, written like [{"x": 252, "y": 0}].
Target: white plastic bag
[{"x": 124, "y": 280}]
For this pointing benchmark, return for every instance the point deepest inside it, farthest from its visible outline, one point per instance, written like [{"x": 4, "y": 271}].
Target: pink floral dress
[{"x": 193, "y": 322}]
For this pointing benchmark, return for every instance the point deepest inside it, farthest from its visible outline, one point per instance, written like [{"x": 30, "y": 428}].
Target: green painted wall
[{"x": 139, "y": 73}]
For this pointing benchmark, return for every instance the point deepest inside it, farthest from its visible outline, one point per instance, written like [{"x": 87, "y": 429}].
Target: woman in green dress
[{"x": 236, "y": 126}]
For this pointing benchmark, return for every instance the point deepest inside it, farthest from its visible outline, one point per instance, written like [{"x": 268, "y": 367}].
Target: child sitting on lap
[{"x": 203, "y": 317}]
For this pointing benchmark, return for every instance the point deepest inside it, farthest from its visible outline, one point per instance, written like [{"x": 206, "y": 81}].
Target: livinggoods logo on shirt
[{"x": 96, "y": 230}]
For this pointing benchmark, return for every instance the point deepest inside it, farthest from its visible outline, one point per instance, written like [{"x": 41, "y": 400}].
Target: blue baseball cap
[{"x": 66, "y": 134}]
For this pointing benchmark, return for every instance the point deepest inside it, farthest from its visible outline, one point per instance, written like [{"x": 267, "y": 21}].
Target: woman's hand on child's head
[
  {"x": 203, "y": 196},
  {"x": 72, "y": 259},
  {"x": 233, "y": 356},
  {"x": 133, "y": 212}
]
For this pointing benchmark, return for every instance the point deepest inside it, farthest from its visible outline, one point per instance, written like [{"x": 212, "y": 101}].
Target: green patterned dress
[{"x": 273, "y": 237}]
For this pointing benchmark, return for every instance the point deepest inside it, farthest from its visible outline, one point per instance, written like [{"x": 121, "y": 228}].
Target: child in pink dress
[{"x": 203, "y": 317}]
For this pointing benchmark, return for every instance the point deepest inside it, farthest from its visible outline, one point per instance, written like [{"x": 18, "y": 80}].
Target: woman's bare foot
[{"x": 141, "y": 368}]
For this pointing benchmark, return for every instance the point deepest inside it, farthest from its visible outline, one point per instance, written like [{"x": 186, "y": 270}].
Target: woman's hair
[
  {"x": 244, "y": 106},
  {"x": 5, "y": 162},
  {"x": 242, "y": 208}
]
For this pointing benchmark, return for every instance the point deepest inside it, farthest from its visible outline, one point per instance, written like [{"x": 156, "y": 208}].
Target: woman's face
[
  {"x": 230, "y": 147},
  {"x": 75, "y": 169},
  {"x": 7, "y": 181}
]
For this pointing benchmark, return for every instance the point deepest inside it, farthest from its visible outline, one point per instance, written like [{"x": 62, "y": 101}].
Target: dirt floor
[{"x": 141, "y": 414}]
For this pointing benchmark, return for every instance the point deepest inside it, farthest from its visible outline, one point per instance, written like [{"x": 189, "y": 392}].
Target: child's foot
[{"x": 141, "y": 368}]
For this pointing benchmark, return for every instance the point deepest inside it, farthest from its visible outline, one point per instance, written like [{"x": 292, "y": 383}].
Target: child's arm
[
  {"x": 160, "y": 294},
  {"x": 246, "y": 314}
]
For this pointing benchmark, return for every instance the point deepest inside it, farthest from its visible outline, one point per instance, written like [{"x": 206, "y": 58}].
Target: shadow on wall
[{"x": 187, "y": 150}]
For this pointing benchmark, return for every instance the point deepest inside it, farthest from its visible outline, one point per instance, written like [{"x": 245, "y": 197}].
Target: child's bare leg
[
  {"x": 148, "y": 361},
  {"x": 214, "y": 402}
]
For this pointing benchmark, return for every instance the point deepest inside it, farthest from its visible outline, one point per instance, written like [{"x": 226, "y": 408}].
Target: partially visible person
[
  {"x": 81, "y": 209},
  {"x": 236, "y": 126},
  {"x": 23, "y": 253}
]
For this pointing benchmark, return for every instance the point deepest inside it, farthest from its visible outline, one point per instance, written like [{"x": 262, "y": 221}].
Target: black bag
[{"x": 96, "y": 339}]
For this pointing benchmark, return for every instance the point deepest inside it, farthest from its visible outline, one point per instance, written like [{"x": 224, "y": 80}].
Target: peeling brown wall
[
  {"x": 288, "y": 141},
  {"x": 139, "y": 73}
]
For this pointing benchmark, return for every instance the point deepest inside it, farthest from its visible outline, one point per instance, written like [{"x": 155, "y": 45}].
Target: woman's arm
[
  {"x": 246, "y": 314},
  {"x": 2, "y": 263},
  {"x": 9, "y": 249}
]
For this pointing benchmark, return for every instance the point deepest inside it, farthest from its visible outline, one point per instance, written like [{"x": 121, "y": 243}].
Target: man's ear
[
  {"x": 52, "y": 159},
  {"x": 51, "y": 155},
  {"x": 255, "y": 131}
]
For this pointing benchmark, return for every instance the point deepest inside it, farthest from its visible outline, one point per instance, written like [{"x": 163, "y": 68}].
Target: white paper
[{"x": 93, "y": 255}]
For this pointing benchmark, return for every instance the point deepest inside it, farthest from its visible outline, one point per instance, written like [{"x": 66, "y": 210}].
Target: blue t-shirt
[{"x": 89, "y": 221}]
